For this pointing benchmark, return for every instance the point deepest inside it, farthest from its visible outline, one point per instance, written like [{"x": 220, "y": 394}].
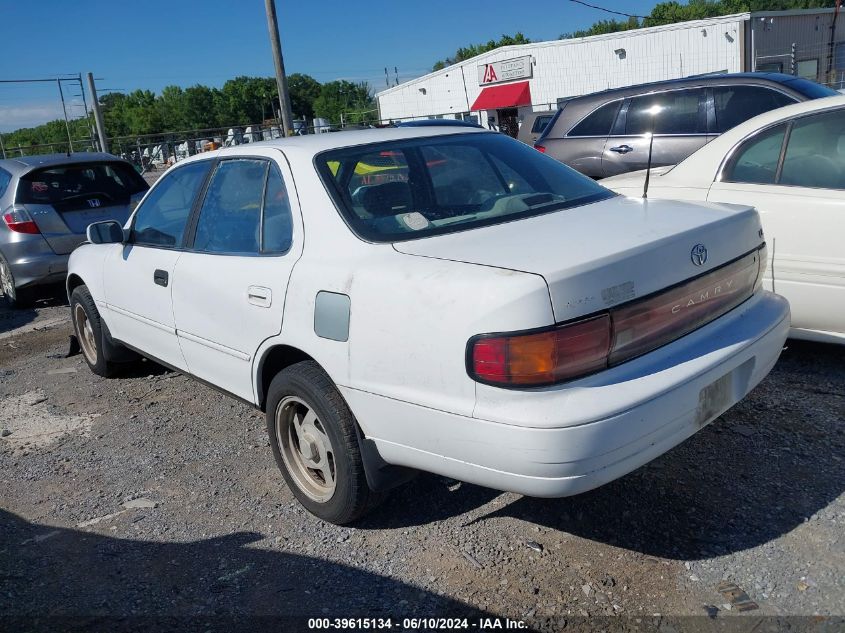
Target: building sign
[{"x": 507, "y": 70}]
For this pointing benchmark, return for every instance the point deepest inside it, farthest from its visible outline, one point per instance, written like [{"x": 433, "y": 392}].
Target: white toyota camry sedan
[
  {"x": 433, "y": 299},
  {"x": 790, "y": 164}
]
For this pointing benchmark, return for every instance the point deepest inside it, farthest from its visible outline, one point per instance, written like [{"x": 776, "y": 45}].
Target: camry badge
[{"x": 698, "y": 254}]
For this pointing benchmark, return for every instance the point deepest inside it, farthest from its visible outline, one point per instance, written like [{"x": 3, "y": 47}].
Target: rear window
[
  {"x": 540, "y": 123},
  {"x": 105, "y": 183},
  {"x": 414, "y": 188}
]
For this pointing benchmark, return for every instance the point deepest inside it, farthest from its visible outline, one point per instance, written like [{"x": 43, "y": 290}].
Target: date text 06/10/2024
[{"x": 415, "y": 624}]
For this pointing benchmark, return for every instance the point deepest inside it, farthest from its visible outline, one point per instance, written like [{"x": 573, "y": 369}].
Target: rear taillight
[
  {"x": 568, "y": 351},
  {"x": 543, "y": 357},
  {"x": 540, "y": 149},
  {"x": 19, "y": 221}
]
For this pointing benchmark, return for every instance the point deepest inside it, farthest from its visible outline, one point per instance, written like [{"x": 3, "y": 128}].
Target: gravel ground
[{"x": 152, "y": 495}]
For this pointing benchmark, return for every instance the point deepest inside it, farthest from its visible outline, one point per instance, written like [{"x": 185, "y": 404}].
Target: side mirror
[{"x": 109, "y": 232}]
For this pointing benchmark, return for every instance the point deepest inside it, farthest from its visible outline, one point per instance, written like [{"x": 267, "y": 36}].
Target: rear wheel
[
  {"x": 89, "y": 331},
  {"x": 315, "y": 442},
  {"x": 15, "y": 298}
]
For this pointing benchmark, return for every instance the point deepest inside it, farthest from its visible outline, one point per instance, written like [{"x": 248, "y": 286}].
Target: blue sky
[{"x": 155, "y": 43}]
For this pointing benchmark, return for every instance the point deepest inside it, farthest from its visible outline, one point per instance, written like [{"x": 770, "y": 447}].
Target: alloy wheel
[{"x": 306, "y": 449}]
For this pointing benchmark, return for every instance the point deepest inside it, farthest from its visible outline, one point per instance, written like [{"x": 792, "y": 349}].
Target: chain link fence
[{"x": 822, "y": 62}]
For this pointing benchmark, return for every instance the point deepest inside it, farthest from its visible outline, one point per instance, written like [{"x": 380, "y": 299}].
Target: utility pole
[
  {"x": 98, "y": 115},
  {"x": 281, "y": 78},
  {"x": 67, "y": 125}
]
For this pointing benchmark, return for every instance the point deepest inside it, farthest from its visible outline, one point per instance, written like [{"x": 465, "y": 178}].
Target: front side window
[
  {"x": 414, "y": 188},
  {"x": 756, "y": 161},
  {"x": 815, "y": 152},
  {"x": 599, "y": 122},
  {"x": 737, "y": 104},
  {"x": 673, "y": 112},
  {"x": 161, "y": 218}
]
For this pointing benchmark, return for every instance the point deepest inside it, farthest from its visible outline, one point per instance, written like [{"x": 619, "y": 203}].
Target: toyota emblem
[{"x": 698, "y": 254}]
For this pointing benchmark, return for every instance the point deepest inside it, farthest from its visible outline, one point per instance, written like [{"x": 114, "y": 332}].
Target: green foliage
[
  {"x": 241, "y": 101},
  {"x": 353, "y": 100},
  {"x": 476, "y": 49},
  {"x": 671, "y": 12}
]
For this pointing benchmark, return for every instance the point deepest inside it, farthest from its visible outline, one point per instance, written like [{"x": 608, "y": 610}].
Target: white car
[
  {"x": 789, "y": 164},
  {"x": 434, "y": 299}
]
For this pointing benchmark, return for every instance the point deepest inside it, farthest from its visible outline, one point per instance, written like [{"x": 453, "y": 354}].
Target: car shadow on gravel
[
  {"x": 753, "y": 475},
  {"x": 12, "y": 319},
  {"x": 86, "y": 581}
]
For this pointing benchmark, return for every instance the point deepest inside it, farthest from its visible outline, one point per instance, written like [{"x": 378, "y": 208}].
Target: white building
[{"x": 508, "y": 82}]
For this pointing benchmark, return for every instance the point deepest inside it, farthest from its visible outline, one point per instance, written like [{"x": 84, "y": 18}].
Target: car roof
[
  {"x": 700, "y": 164},
  {"x": 309, "y": 145},
  {"x": 789, "y": 81},
  {"x": 24, "y": 164}
]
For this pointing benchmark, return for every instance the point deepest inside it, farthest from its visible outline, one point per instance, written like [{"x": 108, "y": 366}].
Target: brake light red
[
  {"x": 19, "y": 221},
  {"x": 540, "y": 148},
  {"x": 568, "y": 351},
  {"x": 543, "y": 357}
]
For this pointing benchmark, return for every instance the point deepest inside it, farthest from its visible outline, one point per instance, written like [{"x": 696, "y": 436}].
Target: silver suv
[
  {"x": 46, "y": 203},
  {"x": 606, "y": 133}
]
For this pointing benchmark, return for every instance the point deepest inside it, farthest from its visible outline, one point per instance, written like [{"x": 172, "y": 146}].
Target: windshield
[
  {"x": 418, "y": 187},
  {"x": 75, "y": 184}
]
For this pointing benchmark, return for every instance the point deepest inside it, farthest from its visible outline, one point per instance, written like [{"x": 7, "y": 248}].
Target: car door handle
[
  {"x": 622, "y": 149},
  {"x": 161, "y": 277},
  {"x": 259, "y": 296}
]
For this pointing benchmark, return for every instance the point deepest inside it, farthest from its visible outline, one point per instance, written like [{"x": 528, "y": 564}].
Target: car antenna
[{"x": 653, "y": 111}]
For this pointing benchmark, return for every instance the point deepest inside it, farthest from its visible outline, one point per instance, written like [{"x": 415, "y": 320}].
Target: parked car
[
  {"x": 475, "y": 309},
  {"x": 790, "y": 164},
  {"x": 533, "y": 124},
  {"x": 46, "y": 203},
  {"x": 607, "y": 133}
]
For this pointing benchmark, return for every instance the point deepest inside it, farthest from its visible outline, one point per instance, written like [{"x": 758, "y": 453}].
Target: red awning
[{"x": 505, "y": 96}]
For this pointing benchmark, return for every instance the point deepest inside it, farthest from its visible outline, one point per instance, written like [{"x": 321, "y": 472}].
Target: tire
[
  {"x": 321, "y": 461},
  {"x": 14, "y": 298},
  {"x": 88, "y": 328}
]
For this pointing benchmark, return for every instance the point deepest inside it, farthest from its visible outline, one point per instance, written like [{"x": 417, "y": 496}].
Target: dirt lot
[{"x": 152, "y": 495}]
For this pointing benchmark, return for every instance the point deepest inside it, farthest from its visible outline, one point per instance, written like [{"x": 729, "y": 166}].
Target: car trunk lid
[{"x": 600, "y": 255}]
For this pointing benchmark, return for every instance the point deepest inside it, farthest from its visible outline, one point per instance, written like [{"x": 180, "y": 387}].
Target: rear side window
[
  {"x": 418, "y": 187},
  {"x": 737, "y": 104},
  {"x": 815, "y": 152},
  {"x": 230, "y": 217},
  {"x": 599, "y": 122},
  {"x": 77, "y": 184},
  {"x": 540, "y": 123},
  {"x": 5, "y": 179},
  {"x": 756, "y": 161},
  {"x": 162, "y": 216},
  {"x": 673, "y": 112}
]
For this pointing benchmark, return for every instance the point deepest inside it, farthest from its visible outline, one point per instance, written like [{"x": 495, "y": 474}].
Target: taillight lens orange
[
  {"x": 543, "y": 357},
  {"x": 568, "y": 351}
]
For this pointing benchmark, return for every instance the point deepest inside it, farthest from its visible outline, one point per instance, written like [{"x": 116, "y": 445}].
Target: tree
[
  {"x": 303, "y": 90},
  {"x": 353, "y": 100},
  {"x": 476, "y": 49}
]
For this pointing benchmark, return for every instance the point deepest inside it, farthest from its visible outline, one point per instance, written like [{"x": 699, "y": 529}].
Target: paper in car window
[{"x": 415, "y": 220}]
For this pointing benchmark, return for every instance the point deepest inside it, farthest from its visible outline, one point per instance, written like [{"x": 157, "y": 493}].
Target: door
[
  {"x": 508, "y": 121},
  {"x": 138, "y": 275},
  {"x": 582, "y": 146},
  {"x": 794, "y": 174},
  {"x": 229, "y": 290},
  {"x": 676, "y": 118}
]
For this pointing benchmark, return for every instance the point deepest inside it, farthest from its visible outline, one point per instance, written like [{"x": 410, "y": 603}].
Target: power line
[{"x": 593, "y": 6}]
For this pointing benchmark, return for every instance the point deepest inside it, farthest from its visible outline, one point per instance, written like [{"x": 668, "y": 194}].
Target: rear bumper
[
  {"x": 565, "y": 440},
  {"x": 34, "y": 263}
]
